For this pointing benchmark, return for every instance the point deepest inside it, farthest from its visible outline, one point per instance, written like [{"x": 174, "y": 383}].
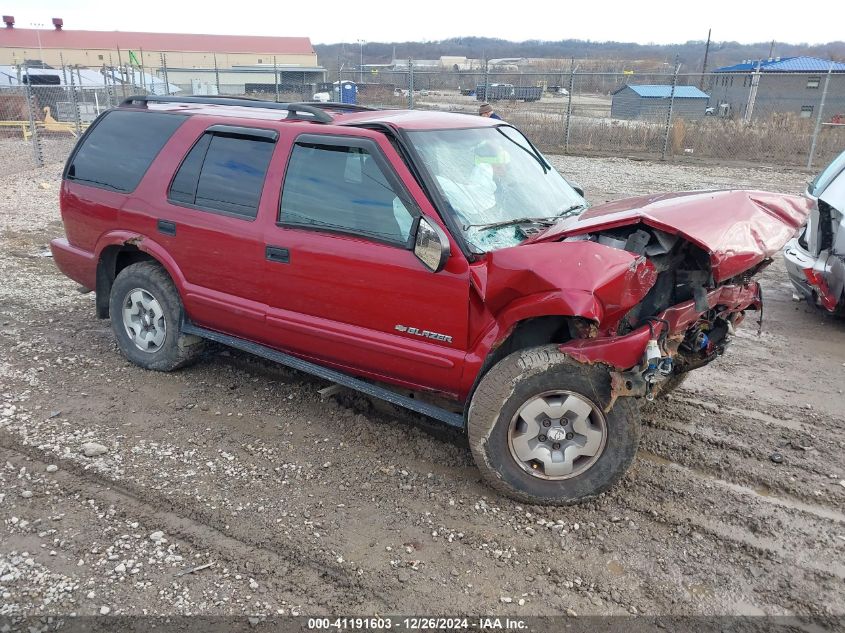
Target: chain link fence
[
  {"x": 778, "y": 119},
  {"x": 39, "y": 124},
  {"x": 795, "y": 119}
]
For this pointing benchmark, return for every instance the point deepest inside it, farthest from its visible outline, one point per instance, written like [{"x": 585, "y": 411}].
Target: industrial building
[
  {"x": 652, "y": 102},
  {"x": 758, "y": 89},
  {"x": 191, "y": 59}
]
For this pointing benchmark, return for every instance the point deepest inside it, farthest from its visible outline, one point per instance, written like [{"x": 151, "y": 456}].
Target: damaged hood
[
  {"x": 579, "y": 278},
  {"x": 738, "y": 229}
]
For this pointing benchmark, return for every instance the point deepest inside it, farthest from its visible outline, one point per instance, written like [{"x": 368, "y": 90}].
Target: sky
[{"x": 328, "y": 21}]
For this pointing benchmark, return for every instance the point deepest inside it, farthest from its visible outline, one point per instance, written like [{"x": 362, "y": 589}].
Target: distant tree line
[{"x": 690, "y": 54}]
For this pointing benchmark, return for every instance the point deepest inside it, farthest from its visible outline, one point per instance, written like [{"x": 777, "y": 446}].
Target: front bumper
[
  {"x": 820, "y": 280},
  {"x": 626, "y": 352},
  {"x": 798, "y": 260}
]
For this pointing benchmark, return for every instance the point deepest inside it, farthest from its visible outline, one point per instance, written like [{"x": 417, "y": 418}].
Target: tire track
[{"x": 336, "y": 588}]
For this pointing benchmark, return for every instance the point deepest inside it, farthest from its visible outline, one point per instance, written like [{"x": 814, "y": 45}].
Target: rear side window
[
  {"x": 120, "y": 148},
  {"x": 223, "y": 173}
]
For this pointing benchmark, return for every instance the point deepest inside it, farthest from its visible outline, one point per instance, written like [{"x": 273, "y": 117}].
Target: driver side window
[{"x": 345, "y": 189}]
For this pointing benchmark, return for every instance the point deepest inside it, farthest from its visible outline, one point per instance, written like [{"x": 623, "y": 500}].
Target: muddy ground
[{"x": 303, "y": 506}]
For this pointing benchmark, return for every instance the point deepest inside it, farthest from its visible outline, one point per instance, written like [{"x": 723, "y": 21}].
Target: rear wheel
[
  {"x": 146, "y": 317},
  {"x": 539, "y": 432}
]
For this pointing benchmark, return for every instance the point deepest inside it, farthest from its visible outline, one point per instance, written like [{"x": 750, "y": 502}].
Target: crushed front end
[{"x": 704, "y": 285}]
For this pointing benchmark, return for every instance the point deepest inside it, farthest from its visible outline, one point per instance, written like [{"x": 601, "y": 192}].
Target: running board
[{"x": 432, "y": 411}]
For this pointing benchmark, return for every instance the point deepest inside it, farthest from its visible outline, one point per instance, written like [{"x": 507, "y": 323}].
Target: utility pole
[
  {"x": 706, "y": 54},
  {"x": 771, "y": 49}
]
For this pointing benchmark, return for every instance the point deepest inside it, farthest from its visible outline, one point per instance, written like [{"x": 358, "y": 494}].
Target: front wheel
[{"x": 539, "y": 433}]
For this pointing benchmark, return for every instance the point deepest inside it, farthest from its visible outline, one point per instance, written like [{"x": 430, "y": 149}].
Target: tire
[
  {"x": 144, "y": 300},
  {"x": 533, "y": 377}
]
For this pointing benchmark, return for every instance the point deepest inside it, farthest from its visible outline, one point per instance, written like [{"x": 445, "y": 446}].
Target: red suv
[{"x": 435, "y": 260}]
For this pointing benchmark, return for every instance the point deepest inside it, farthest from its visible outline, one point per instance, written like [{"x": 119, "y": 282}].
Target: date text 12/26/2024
[{"x": 416, "y": 623}]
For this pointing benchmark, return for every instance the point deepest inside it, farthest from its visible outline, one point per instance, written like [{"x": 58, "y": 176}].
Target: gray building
[
  {"x": 758, "y": 89},
  {"x": 652, "y": 102}
]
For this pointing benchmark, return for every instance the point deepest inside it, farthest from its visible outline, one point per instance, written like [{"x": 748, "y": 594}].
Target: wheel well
[
  {"x": 529, "y": 333},
  {"x": 113, "y": 259}
]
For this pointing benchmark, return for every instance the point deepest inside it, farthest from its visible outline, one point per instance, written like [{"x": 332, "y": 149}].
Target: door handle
[
  {"x": 277, "y": 254},
  {"x": 167, "y": 227}
]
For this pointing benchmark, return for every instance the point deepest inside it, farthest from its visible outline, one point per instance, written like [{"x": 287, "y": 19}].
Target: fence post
[
  {"x": 216, "y": 74},
  {"x": 37, "y": 155},
  {"x": 669, "y": 114},
  {"x": 569, "y": 107},
  {"x": 64, "y": 72},
  {"x": 107, "y": 87},
  {"x": 819, "y": 118},
  {"x": 164, "y": 72},
  {"x": 410, "y": 84},
  {"x": 111, "y": 84},
  {"x": 143, "y": 71},
  {"x": 120, "y": 72},
  {"x": 486, "y": 96},
  {"x": 752, "y": 93},
  {"x": 74, "y": 102},
  {"x": 276, "y": 77}
]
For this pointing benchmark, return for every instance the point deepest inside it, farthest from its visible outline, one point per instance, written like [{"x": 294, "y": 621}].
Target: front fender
[
  {"x": 532, "y": 307},
  {"x": 569, "y": 279}
]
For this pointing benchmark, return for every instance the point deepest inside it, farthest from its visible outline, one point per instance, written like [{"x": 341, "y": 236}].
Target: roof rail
[
  {"x": 293, "y": 109},
  {"x": 335, "y": 105}
]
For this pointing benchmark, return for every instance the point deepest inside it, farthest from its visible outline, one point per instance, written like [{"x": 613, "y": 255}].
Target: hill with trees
[{"x": 612, "y": 54}]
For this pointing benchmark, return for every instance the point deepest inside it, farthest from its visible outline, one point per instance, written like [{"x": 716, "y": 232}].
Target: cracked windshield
[{"x": 500, "y": 188}]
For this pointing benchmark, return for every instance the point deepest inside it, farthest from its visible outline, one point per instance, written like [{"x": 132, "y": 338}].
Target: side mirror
[
  {"x": 578, "y": 189},
  {"x": 431, "y": 245}
]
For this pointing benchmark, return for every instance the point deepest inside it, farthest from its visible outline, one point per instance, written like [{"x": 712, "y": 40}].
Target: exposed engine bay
[{"x": 684, "y": 275}]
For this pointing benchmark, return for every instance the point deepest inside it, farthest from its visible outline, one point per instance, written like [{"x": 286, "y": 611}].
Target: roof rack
[
  {"x": 293, "y": 109},
  {"x": 335, "y": 105}
]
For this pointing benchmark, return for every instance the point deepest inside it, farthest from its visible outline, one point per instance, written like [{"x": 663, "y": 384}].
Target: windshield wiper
[
  {"x": 548, "y": 220},
  {"x": 568, "y": 210},
  {"x": 495, "y": 225}
]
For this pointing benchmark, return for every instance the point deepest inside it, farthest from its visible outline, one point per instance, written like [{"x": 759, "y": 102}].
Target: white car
[
  {"x": 815, "y": 260},
  {"x": 322, "y": 97}
]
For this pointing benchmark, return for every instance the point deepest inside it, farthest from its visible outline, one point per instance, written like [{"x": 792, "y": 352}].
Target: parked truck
[{"x": 507, "y": 92}]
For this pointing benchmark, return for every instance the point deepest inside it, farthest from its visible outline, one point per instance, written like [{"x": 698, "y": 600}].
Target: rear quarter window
[
  {"x": 224, "y": 172},
  {"x": 117, "y": 152}
]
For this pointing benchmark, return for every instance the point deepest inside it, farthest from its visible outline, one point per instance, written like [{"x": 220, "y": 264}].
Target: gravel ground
[
  {"x": 16, "y": 155},
  {"x": 216, "y": 489}
]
